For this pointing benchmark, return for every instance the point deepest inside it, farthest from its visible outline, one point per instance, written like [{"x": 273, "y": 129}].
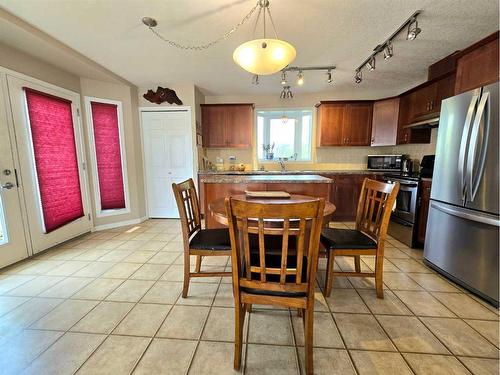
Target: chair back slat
[
  {"x": 188, "y": 206},
  {"x": 280, "y": 240},
  {"x": 375, "y": 207}
]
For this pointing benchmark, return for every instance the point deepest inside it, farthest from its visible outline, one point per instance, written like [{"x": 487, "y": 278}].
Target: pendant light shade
[{"x": 264, "y": 56}]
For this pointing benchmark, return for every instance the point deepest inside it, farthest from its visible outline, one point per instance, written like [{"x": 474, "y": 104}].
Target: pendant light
[{"x": 264, "y": 56}]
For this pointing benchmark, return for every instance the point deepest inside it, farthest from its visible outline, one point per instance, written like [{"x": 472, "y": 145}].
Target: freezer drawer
[{"x": 464, "y": 244}]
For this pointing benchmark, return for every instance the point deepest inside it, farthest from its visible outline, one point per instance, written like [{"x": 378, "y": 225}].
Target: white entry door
[
  {"x": 13, "y": 245},
  {"x": 168, "y": 157},
  {"x": 51, "y": 158}
]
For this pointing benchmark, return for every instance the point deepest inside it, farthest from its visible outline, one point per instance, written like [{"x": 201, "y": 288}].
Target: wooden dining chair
[
  {"x": 197, "y": 241},
  {"x": 368, "y": 238},
  {"x": 261, "y": 275}
]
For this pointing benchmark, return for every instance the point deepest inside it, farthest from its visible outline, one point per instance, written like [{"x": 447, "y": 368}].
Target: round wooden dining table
[{"x": 218, "y": 208}]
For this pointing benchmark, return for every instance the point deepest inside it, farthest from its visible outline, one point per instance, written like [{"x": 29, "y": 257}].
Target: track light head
[
  {"x": 300, "y": 78},
  {"x": 413, "y": 30},
  {"x": 283, "y": 78},
  {"x": 255, "y": 79},
  {"x": 358, "y": 77},
  {"x": 371, "y": 63},
  {"x": 286, "y": 93},
  {"x": 329, "y": 77},
  {"x": 388, "y": 50}
]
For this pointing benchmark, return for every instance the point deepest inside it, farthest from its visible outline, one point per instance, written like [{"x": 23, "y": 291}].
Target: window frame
[
  {"x": 93, "y": 157},
  {"x": 297, "y": 132}
]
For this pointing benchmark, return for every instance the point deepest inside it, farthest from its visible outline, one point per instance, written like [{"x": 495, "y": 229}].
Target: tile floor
[{"x": 108, "y": 303}]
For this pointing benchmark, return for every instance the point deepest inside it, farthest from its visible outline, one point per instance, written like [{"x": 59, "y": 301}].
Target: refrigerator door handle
[
  {"x": 474, "y": 175},
  {"x": 464, "y": 143},
  {"x": 466, "y": 215}
]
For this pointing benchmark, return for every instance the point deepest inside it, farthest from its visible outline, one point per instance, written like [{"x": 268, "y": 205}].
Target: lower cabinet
[{"x": 423, "y": 209}]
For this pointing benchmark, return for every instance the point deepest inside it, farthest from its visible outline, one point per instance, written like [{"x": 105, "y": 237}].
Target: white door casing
[{"x": 168, "y": 157}]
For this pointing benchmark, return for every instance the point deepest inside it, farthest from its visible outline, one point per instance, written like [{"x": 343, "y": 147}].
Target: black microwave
[{"x": 385, "y": 162}]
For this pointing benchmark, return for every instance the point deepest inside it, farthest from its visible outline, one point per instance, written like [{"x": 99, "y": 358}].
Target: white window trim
[
  {"x": 265, "y": 161},
  {"x": 93, "y": 157}
]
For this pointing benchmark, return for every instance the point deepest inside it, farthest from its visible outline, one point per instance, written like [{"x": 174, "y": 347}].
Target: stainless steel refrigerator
[{"x": 463, "y": 225}]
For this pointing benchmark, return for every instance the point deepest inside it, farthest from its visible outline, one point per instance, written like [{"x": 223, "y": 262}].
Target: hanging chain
[{"x": 209, "y": 44}]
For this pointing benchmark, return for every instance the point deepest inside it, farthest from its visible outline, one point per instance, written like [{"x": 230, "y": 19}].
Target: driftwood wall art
[{"x": 162, "y": 95}]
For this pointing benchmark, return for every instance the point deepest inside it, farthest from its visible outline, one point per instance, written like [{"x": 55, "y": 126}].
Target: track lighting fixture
[
  {"x": 329, "y": 76},
  {"x": 286, "y": 93},
  {"x": 255, "y": 79},
  {"x": 388, "y": 50},
  {"x": 413, "y": 29},
  {"x": 300, "y": 78},
  {"x": 371, "y": 64},
  {"x": 358, "y": 77},
  {"x": 283, "y": 78}
]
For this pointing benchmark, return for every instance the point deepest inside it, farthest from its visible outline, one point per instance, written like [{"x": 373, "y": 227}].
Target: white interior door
[
  {"x": 13, "y": 245},
  {"x": 168, "y": 158},
  {"x": 40, "y": 237}
]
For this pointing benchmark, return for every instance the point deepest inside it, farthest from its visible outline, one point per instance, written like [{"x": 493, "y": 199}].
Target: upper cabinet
[
  {"x": 227, "y": 125},
  {"x": 344, "y": 123},
  {"x": 385, "y": 122},
  {"x": 478, "y": 65}
]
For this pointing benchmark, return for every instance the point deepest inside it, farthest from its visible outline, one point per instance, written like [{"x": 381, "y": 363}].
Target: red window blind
[
  {"x": 107, "y": 149},
  {"x": 56, "y": 162}
]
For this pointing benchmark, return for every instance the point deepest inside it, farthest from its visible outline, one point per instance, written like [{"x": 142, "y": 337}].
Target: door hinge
[
  {"x": 88, "y": 215},
  {"x": 17, "y": 178},
  {"x": 84, "y": 167},
  {"x": 78, "y": 112}
]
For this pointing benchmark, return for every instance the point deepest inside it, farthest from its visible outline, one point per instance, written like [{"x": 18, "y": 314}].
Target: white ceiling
[{"x": 340, "y": 32}]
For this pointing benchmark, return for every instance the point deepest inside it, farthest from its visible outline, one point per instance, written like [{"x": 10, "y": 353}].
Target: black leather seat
[
  {"x": 211, "y": 239},
  {"x": 333, "y": 238}
]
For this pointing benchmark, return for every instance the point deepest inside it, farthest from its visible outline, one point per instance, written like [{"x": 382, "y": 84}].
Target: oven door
[{"x": 406, "y": 202}]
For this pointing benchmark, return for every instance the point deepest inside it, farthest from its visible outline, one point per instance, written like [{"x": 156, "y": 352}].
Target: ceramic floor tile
[
  {"x": 271, "y": 360},
  {"x": 184, "y": 322},
  {"x": 67, "y": 287},
  {"x": 390, "y": 304},
  {"x": 400, "y": 281},
  {"x": 130, "y": 291},
  {"x": 487, "y": 328},
  {"x": 166, "y": 356},
  {"x": 423, "y": 304},
  {"x": 329, "y": 362},
  {"x": 9, "y": 303},
  {"x": 121, "y": 270},
  {"x": 98, "y": 289},
  {"x": 325, "y": 332},
  {"x": 149, "y": 272},
  {"x": 65, "y": 315},
  {"x": 224, "y": 296},
  {"x": 174, "y": 273},
  {"x": 103, "y": 318},
  {"x": 481, "y": 366},
  {"x": 361, "y": 331},
  {"x": 460, "y": 338},
  {"x": 213, "y": 358},
  {"x": 116, "y": 355},
  {"x": 135, "y": 244},
  {"x": 379, "y": 363},
  {"x": 410, "y": 335},
  {"x": 465, "y": 307},
  {"x": 35, "y": 286},
  {"x": 9, "y": 282},
  {"x": 346, "y": 300},
  {"x": 200, "y": 294},
  {"x": 143, "y": 320},
  {"x": 220, "y": 325},
  {"x": 163, "y": 257},
  {"x": 270, "y": 327},
  {"x": 68, "y": 268},
  {"x": 411, "y": 265},
  {"x": 115, "y": 256},
  {"x": 163, "y": 292},
  {"x": 66, "y": 355},
  {"x": 153, "y": 245},
  {"x": 424, "y": 364},
  {"x": 139, "y": 256},
  {"x": 433, "y": 282},
  {"x": 94, "y": 269},
  {"x": 393, "y": 253}
]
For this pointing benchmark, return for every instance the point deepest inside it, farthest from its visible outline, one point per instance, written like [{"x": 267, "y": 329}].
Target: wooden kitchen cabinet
[
  {"x": 404, "y": 134},
  {"x": 227, "y": 125},
  {"x": 478, "y": 65},
  {"x": 344, "y": 123},
  {"x": 385, "y": 122},
  {"x": 423, "y": 209}
]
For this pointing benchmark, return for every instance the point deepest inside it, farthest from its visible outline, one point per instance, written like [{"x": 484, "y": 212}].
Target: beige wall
[{"x": 324, "y": 158}]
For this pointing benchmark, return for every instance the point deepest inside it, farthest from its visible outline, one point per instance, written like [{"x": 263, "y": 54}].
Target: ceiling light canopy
[{"x": 266, "y": 55}]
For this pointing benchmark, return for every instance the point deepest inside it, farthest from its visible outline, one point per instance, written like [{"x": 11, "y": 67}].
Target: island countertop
[{"x": 268, "y": 179}]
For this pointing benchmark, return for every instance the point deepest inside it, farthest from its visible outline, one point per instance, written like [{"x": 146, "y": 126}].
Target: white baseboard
[{"x": 119, "y": 224}]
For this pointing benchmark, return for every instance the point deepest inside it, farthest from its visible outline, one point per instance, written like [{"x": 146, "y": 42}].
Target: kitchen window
[{"x": 284, "y": 134}]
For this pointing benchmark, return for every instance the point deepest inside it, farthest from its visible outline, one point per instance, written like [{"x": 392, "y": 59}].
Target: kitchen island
[{"x": 215, "y": 186}]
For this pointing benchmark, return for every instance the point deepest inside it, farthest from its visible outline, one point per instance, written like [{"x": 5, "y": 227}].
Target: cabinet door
[
  {"x": 477, "y": 68},
  {"x": 345, "y": 197},
  {"x": 445, "y": 88},
  {"x": 421, "y": 101},
  {"x": 404, "y": 119},
  {"x": 213, "y": 126},
  {"x": 239, "y": 124},
  {"x": 357, "y": 124},
  {"x": 385, "y": 122},
  {"x": 330, "y": 120},
  {"x": 423, "y": 210}
]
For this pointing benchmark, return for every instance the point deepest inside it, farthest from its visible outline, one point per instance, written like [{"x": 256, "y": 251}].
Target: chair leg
[
  {"x": 239, "y": 321},
  {"x": 379, "y": 272},
  {"x": 187, "y": 270},
  {"x": 330, "y": 261},
  {"x": 197, "y": 267},
  {"x": 308, "y": 339},
  {"x": 357, "y": 263}
]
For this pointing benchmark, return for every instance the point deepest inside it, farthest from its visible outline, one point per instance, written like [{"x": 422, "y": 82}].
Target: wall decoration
[{"x": 162, "y": 95}]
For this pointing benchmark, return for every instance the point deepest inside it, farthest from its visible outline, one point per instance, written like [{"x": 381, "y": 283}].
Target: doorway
[{"x": 168, "y": 156}]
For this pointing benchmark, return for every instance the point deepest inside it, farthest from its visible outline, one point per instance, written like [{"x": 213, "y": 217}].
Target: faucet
[{"x": 281, "y": 162}]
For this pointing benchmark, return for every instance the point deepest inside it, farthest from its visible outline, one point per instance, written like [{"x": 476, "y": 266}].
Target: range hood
[{"x": 428, "y": 121}]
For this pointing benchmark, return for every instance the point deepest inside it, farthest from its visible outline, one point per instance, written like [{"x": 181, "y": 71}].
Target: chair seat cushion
[
  {"x": 211, "y": 239},
  {"x": 333, "y": 238}
]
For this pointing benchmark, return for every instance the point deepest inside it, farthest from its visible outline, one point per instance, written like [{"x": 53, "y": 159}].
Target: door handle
[
  {"x": 466, "y": 215},
  {"x": 464, "y": 144},
  {"x": 8, "y": 186}
]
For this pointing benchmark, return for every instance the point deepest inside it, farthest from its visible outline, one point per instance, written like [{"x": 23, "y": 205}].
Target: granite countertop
[
  {"x": 278, "y": 173},
  {"x": 269, "y": 178}
]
